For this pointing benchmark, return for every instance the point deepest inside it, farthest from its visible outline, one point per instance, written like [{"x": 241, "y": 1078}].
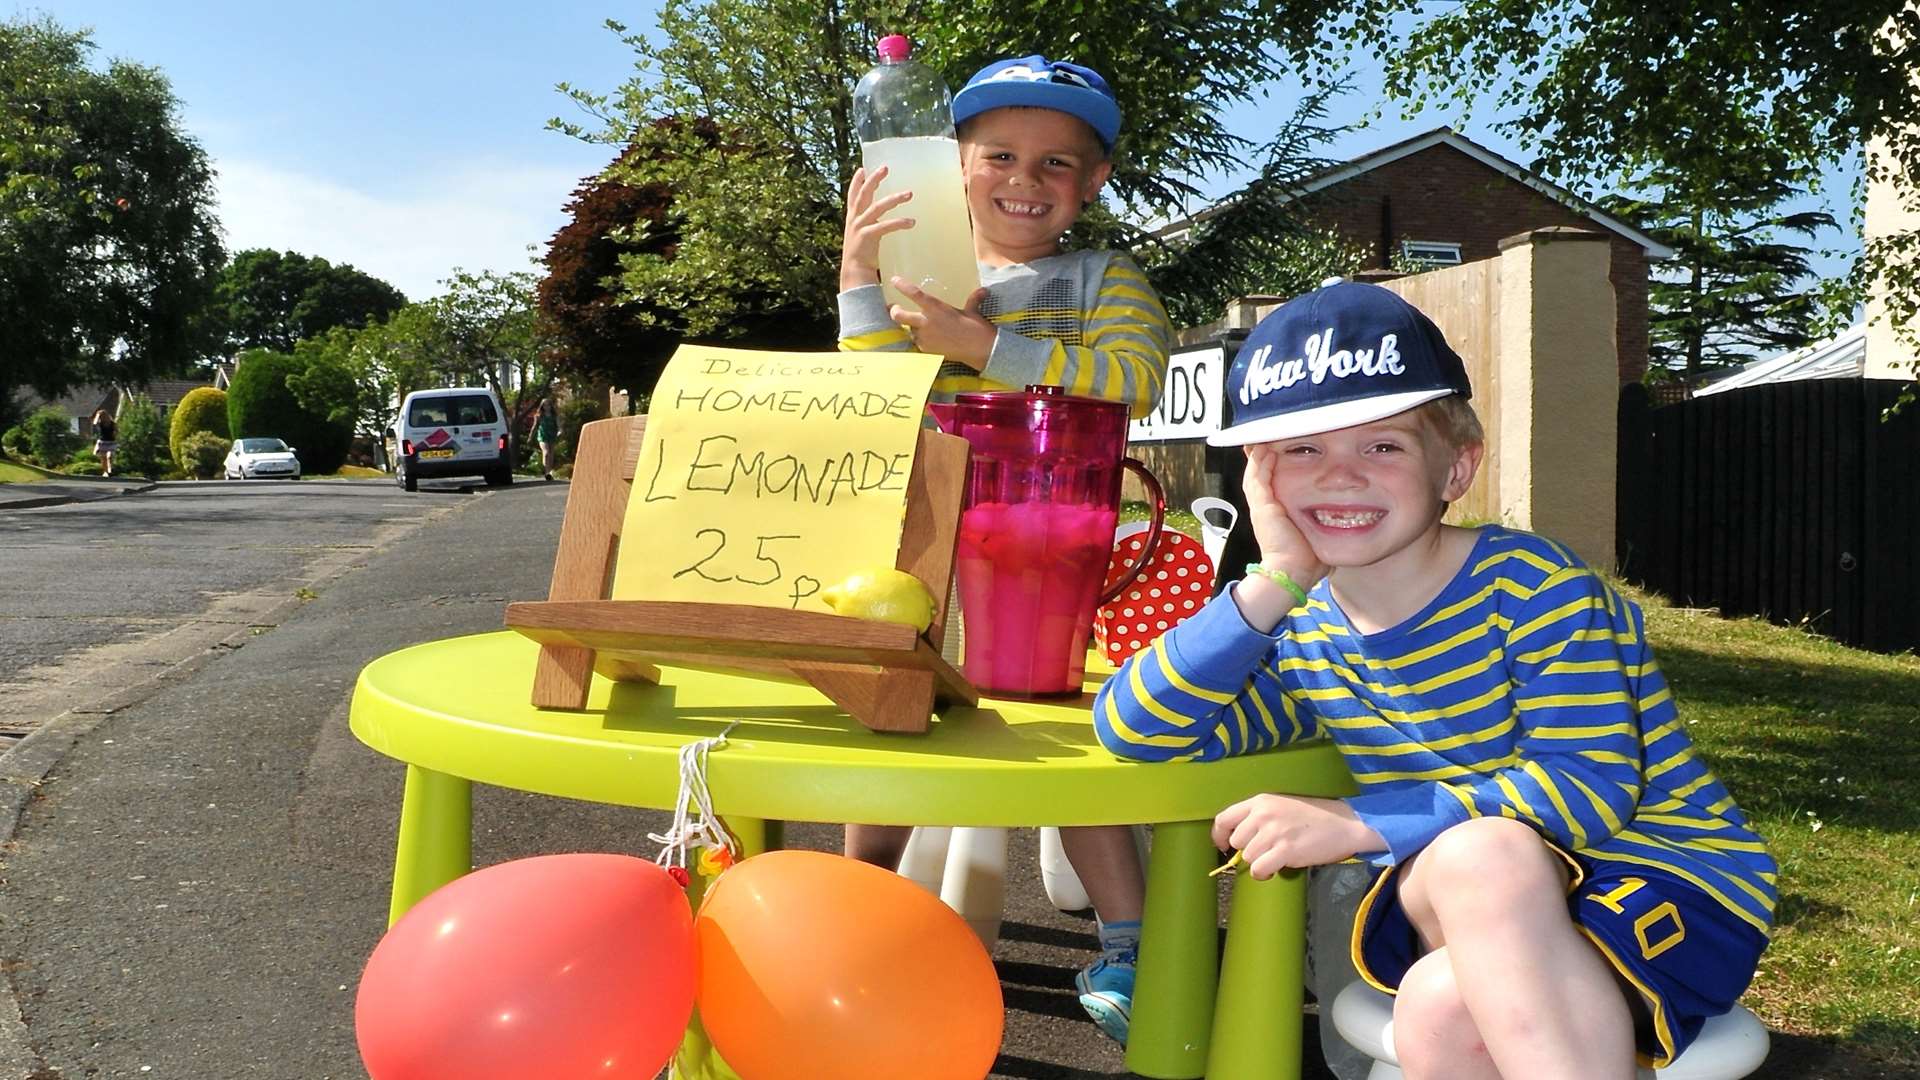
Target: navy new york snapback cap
[
  {"x": 1346, "y": 353},
  {"x": 1040, "y": 83}
]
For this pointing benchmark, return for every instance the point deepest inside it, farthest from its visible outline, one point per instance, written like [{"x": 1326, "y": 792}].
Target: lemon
[{"x": 883, "y": 595}]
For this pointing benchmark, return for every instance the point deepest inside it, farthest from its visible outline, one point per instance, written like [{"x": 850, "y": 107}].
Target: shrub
[
  {"x": 143, "y": 446},
  {"x": 576, "y": 413},
  {"x": 264, "y": 400},
  {"x": 50, "y": 437},
  {"x": 202, "y": 454},
  {"x": 14, "y": 442},
  {"x": 204, "y": 409}
]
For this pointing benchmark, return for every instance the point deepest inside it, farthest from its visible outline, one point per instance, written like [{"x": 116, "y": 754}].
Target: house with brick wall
[{"x": 1439, "y": 198}]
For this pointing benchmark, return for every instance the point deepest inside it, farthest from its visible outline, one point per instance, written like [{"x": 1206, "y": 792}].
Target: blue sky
[
  {"x": 407, "y": 138},
  {"x": 404, "y": 138}
]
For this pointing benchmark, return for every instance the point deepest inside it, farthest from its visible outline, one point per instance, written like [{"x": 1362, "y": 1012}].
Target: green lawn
[
  {"x": 1821, "y": 745},
  {"x": 14, "y": 474}
]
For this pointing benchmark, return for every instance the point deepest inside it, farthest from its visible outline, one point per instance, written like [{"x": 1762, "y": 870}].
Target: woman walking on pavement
[
  {"x": 104, "y": 434},
  {"x": 546, "y": 428}
]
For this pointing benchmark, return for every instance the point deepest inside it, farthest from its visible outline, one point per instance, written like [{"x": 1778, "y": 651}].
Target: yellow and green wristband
[{"x": 1279, "y": 577}]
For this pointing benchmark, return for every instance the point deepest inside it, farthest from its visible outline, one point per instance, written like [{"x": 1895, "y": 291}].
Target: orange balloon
[{"x": 815, "y": 965}]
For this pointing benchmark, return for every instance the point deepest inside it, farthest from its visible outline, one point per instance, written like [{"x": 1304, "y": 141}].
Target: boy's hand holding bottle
[
  {"x": 961, "y": 334},
  {"x": 867, "y": 222}
]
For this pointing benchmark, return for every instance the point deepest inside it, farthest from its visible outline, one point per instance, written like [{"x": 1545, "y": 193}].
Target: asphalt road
[
  {"x": 98, "y": 596},
  {"x": 201, "y": 861}
]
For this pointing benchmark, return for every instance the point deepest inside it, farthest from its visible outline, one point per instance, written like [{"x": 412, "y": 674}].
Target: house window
[{"x": 1429, "y": 253}]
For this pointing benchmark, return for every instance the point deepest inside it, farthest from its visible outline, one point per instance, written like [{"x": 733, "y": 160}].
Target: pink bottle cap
[{"x": 895, "y": 47}]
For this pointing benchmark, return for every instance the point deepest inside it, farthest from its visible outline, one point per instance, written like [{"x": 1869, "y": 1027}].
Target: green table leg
[
  {"x": 1256, "y": 1026},
  {"x": 1179, "y": 967},
  {"x": 697, "y": 1059},
  {"x": 436, "y": 837}
]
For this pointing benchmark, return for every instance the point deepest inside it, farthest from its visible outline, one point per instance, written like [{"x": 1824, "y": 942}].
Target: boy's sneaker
[{"x": 1106, "y": 991}]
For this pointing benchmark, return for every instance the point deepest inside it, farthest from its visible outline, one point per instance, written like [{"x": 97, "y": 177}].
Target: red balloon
[
  {"x": 813, "y": 965},
  {"x": 548, "y": 968}
]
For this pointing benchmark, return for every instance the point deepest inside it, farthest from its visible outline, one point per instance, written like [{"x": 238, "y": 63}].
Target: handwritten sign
[{"x": 765, "y": 477}]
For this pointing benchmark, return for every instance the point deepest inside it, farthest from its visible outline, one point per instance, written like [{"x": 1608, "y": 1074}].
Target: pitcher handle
[{"x": 1159, "y": 500}]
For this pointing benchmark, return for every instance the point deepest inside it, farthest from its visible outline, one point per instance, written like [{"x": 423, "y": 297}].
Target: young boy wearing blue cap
[
  {"x": 1035, "y": 142},
  {"x": 1562, "y": 882},
  {"x": 1036, "y": 139}
]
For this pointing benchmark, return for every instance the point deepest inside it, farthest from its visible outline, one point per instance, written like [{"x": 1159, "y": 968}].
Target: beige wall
[
  {"x": 1536, "y": 329},
  {"x": 1463, "y": 300},
  {"x": 1889, "y": 356}
]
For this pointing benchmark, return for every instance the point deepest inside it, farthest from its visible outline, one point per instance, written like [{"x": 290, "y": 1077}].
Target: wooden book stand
[{"x": 885, "y": 675}]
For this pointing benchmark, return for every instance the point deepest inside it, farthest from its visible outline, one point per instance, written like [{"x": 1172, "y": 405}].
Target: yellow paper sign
[{"x": 766, "y": 476}]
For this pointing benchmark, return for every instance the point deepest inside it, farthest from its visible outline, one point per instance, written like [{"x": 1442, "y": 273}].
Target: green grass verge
[
  {"x": 1181, "y": 520},
  {"x": 15, "y": 474},
  {"x": 1821, "y": 745}
]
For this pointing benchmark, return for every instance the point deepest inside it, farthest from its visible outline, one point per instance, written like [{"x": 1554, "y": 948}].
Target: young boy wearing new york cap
[
  {"x": 1562, "y": 883},
  {"x": 1036, "y": 137}
]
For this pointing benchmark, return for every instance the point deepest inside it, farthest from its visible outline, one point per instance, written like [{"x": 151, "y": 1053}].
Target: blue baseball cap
[
  {"x": 1346, "y": 353},
  {"x": 1040, "y": 83}
]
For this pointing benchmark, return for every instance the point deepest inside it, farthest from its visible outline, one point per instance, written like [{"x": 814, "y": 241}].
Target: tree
[
  {"x": 271, "y": 299},
  {"x": 1733, "y": 290},
  {"x": 329, "y": 395},
  {"x": 282, "y": 395},
  {"x": 143, "y": 438},
  {"x": 600, "y": 335},
  {"x": 485, "y": 330},
  {"x": 757, "y": 212},
  {"x": 1627, "y": 93},
  {"x": 482, "y": 331},
  {"x": 387, "y": 360},
  {"x": 49, "y": 439},
  {"x": 108, "y": 243},
  {"x": 204, "y": 409}
]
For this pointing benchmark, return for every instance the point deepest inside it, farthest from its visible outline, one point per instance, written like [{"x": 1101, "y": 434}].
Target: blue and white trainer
[{"x": 1106, "y": 985}]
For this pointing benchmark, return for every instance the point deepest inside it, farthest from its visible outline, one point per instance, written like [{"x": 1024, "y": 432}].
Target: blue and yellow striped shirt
[
  {"x": 1085, "y": 320},
  {"x": 1525, "y": 689}
]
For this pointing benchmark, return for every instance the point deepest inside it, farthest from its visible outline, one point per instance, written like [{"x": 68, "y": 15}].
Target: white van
[{"x": 460, "y": 431}]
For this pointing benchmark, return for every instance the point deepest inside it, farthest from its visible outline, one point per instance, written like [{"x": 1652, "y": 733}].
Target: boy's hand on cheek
[
  {"x": 1277, "y": 832},
  {"x": 1282, "y": 546},
  {"x": 940, "y": 328}
]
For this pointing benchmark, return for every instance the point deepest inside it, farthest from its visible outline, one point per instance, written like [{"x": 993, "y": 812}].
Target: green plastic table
[{"x": 457, "y": 713}]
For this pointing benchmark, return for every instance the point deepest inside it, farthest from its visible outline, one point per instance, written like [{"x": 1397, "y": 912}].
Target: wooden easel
[{"x": 885, "y": 675}]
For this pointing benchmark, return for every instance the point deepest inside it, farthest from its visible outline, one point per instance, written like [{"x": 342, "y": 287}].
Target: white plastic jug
[{"x": 1213, "y": 535}]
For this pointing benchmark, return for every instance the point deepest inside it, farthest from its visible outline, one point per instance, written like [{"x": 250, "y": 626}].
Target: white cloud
[{"x": 412, "y": 232}]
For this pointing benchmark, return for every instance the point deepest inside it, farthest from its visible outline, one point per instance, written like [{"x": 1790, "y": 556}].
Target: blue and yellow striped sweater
[
  {"x": 1085, "y": 320},
  {"x": 1525, "y": 689}
]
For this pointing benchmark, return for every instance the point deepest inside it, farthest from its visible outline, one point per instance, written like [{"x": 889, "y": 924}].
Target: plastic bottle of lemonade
[{"x": 904, "y": 116}]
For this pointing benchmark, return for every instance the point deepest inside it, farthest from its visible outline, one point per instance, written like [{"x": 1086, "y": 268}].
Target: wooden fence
[{"x": 1793, "y": 501}]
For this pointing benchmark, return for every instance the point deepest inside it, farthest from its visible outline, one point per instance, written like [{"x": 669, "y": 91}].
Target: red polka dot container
[{"x": 1175, "y": 586}]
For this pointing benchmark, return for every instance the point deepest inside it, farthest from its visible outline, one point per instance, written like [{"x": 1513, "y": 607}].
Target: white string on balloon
[{"x": 694, "y": 820}]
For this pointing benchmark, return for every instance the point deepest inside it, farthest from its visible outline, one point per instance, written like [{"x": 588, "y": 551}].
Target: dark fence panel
[{"x": 1793, "y": 501}]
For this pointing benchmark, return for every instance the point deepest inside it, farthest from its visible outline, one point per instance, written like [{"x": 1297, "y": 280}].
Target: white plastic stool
[
  {"x": 1729, "y": 1046},
  {"x": 967, "y": 869}
]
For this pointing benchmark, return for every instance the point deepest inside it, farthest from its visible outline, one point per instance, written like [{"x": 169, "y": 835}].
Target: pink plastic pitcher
[{"x": 1036, "y": 532}]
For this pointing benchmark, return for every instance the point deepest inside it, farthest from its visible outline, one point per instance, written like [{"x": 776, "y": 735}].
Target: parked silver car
[{"x": 262, "y": 459}]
